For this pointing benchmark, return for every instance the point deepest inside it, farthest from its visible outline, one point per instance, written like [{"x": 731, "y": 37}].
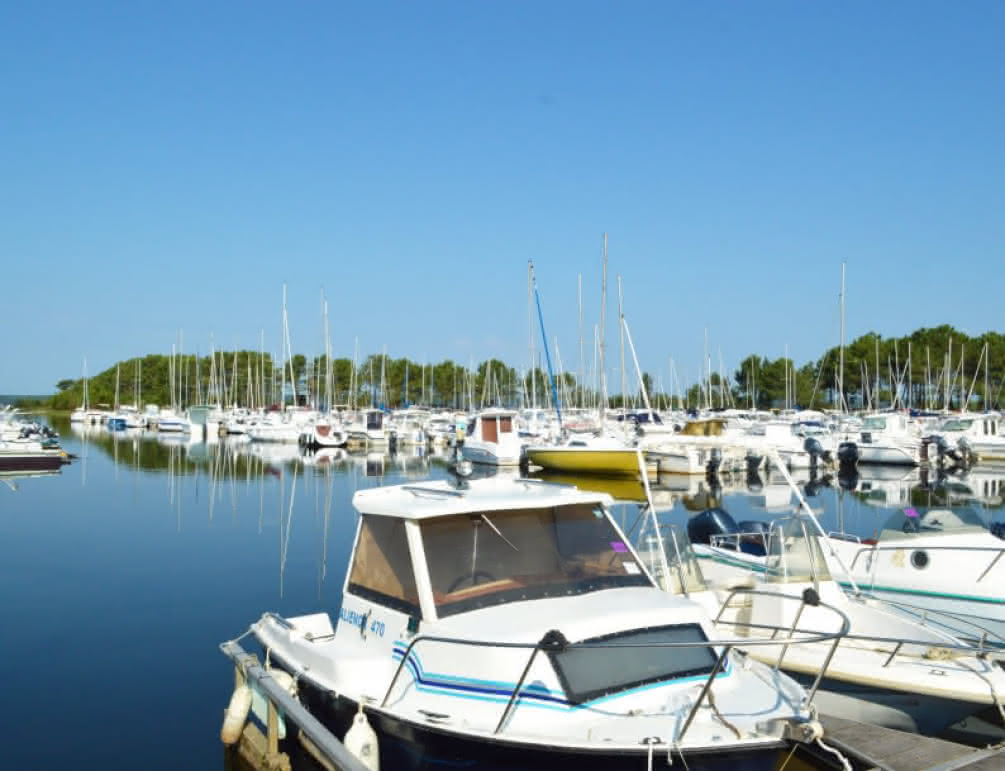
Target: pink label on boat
[
  {"x": 618, "y": 546},
  {"x": 910, "y": 512}
]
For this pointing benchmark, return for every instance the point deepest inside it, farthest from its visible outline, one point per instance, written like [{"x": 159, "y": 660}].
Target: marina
[{"x": 156, "y": 544}]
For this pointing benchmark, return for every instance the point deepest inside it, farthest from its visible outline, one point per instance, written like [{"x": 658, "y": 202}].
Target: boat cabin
[
  {"x": 431, "y": 551},
  {"x": 374, "y": 420},
  {"x": 490, "y": 425}
]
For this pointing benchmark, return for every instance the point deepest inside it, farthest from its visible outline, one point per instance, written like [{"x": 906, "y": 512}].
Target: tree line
[{"x": 932, "y": 368}]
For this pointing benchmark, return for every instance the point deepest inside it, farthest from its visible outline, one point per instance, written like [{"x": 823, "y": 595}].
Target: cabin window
[
  {"x": 874, "y": 424},
  {"x": 506, "y": 425},
  {"x": 587, "y": 673},
  {"x": 489, "y": 430},
  {"x": 382, "y": 568},
  {"x": 483, "y": 559},
  {"x": 374, "y": 420}
]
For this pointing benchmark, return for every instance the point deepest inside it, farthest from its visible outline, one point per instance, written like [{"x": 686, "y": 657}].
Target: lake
[{"x": 122, "y": 574}]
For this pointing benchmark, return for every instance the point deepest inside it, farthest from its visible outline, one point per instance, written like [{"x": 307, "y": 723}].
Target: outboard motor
[
  {"x": 848, "y": 453},
  {"x": 701, "y": 527},
  {"x": 754, "y": 537},
  {"x": 714, "y": 462},
  {"x": 943, "y": 448},
  {"x": 966, "y": 453},
  {"x": 816, "y": 451}
]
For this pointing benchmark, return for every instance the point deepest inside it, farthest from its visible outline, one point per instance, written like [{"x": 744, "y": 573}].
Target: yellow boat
[{"x": 607, "y": 458}]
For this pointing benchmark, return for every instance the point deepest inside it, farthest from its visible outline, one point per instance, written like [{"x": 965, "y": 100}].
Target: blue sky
[{"x": 168, "y": 166}]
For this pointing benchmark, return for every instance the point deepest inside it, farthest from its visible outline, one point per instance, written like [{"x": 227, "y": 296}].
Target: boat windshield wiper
[{"x": 496, "y": 530}]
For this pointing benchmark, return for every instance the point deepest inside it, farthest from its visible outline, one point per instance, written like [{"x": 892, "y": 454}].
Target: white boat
[
  {"x": 979, "y": 436},
  {"x": 889, "y": 669},
  {"x": 510, "y": 625},
  {"x": 368, "y": 429},
  {"x": 323, "y": 433},
  {"x": 888, "y": 438},
  {"x": 696, "y": 458},
  {"x": 943, "y": 563},
  {"x": 284, "y": 428},
  {"x": 408, "y": 427},
  {"x": 169, "y": 422},
  {"x": 491, "y": 438}
]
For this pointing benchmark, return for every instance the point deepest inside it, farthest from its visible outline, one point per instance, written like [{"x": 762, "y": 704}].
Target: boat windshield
[
  {"x": 794, "y": 553},
  {"x": 956, "y": 424},
  {"x": 911, "y": 522},
  {"x": 483, "y": 559},
  {"x": 874, "y": 424},
  {"x": 588, "y": 673}
]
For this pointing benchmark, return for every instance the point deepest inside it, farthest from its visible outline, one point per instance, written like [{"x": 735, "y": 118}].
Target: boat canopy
[
  {"x": 709, "y": 427},
  {"x": 493, "y": 544}
]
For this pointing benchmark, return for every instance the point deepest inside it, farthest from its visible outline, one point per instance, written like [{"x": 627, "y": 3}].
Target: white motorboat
[
  {"x": 169, "y": 422},
  {"x": 368, "y": 430},
  {"x": 323, "y": 433},
  {"x": 886, "y": 437},
  {"x": 979, "y": 436},
  {"x": 492, "y": 439},
  {"x": 509, "y": 625},
  {"x": 943, "y": 563},
  {"x": 890, "y": 669}
]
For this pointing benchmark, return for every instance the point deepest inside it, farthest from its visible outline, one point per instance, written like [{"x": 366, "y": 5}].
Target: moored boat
[{"x": 509, "y": 624}]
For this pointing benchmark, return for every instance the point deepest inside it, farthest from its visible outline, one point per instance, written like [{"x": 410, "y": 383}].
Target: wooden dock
[
  {"x": 260, "y": 751},
  {"x": 870, "y": 747}
]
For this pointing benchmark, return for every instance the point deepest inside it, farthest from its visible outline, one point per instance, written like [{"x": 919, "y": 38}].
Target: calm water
[{"x": 121, "y": 575}]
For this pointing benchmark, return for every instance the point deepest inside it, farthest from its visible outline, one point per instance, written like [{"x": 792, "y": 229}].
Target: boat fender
[
  {"x": 284, "y": 680},
  {"x": 361, "y": 741},
  {"x": 236, "y": 715}
]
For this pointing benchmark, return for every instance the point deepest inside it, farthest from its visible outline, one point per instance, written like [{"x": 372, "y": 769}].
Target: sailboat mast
[
  {"x": 579, "y": 295},
  {"x": 841, "y": 404},
  {"x": 530, "y": 333},
  {"x": 603, "y": 326},
  {"x": 621, "y": 336}
]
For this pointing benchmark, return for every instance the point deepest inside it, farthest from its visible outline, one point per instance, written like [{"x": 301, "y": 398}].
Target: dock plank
[{"x": 891, "y": 750}]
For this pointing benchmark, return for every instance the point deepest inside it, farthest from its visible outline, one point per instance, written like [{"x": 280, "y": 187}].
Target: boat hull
[
  {"x": 586, "y": 461},
  {"x": 412, "y": 746},
  {"x": 21, "y": 461},
  {"x": 487, "y": 457},
  {"x": 886, "y": 454}
]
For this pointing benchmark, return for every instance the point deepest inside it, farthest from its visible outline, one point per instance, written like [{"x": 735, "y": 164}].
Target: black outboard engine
[
  {"x": 701, "y": 527},
  {"x": 714, "y": 462},
  {"x": 816, "y": 451},
  {"x": 943, "y": 448},
  {"x": 754, "y": 537}
]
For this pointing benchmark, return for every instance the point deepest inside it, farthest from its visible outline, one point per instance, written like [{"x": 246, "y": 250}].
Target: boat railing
[
  {"x": 733, "y": 540},
  {"x": 555, "y": 641},
  {"x": 867, "y": 552},
  {"x": 956, "y": 624}
]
